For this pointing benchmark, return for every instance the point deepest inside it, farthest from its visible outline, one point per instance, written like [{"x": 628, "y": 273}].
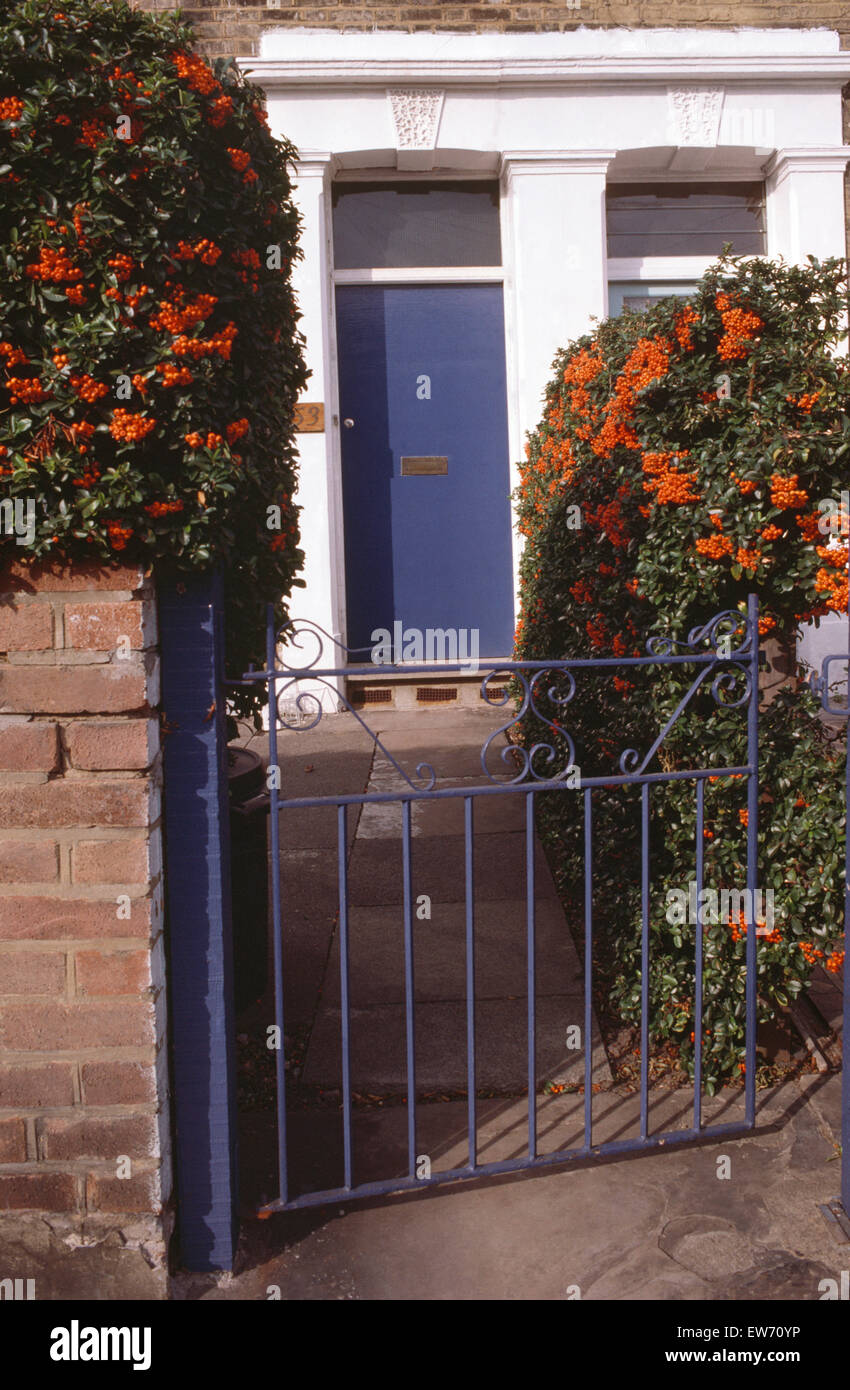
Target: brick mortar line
[
  {"x": 121, "y": 1110},
  {"x": 145, "y": 1055},
  {"x": 106, "y": 946},
  {"x": 69, "y": 892},
  {"x": 69, "y": 834},
  {"x": 75, "y": 1167}
]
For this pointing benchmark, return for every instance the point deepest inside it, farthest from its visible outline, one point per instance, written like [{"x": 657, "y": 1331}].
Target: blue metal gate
[{"x": 725, "y": 653}]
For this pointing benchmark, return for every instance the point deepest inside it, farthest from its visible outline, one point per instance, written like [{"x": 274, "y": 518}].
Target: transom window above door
[{"x": 416, "y": 223}]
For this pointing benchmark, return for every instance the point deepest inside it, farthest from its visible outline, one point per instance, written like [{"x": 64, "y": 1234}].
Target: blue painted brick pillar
[{"x": 197, "y": 882}]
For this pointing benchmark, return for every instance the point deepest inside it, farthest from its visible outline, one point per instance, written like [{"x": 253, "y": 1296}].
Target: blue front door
[{"x": 425, "y": 462}]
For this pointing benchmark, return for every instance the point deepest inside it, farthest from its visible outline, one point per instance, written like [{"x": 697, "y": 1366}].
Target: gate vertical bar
[
  {"x": 345, "y": 1021},
  {"x": 532, "y": 983},
  {"x": 409, "y": 1000},
  {"x": 752, "y": 854},
  {"x": 644, "y": 963},
  {"x": 200, "y": 943},
  {"x": 277, "y": 917},
  {"x": 700, "y": 857},
  {"x": 470, "y": 980},
  {"x": 588, "y": 970}
]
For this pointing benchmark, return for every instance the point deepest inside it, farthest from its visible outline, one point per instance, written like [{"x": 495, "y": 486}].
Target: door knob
[{"x": 349, "y": 424}]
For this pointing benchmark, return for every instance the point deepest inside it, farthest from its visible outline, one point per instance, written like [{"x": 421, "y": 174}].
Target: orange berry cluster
[
  {"x": 206, "y": 251},
  {"x": 89, "y": 477},
  {"x": 647, "y": 362},
  {"x": 27, "y": 389},
  {"x": 583, "y": 368},
  {"x": 666, "y": 481},
  {"x": 246, "y": 257},
  {"x": 682, "y": 327},
  {"x": 835, "y": 555},
  {"x": 14, "y": 356},
  {"x": 236, "y": 429},
  {"x": 715, "y": 547},
  {"x": 118, "y": 534},
  {"x": 744, "y": 817},
  {"x": 87, "y": 388},
  {"x": 53, "y": 267},
  {"x": 195, "y": 440},
  {"x": 195, "y": 72},
  {"x": 810, "y": 526},
  {"x": 133, "y": 300},
  {"x": 609, "y": 518},
  {"x": 739, "y": 329},
  {"x": 835, "y": 962},
  {"x": 582, "y": 591},
  {"x": 804, "y": 402},
  {"x": 123, "y": 267},
  {"x": 163, "y": 508},
  {"x": 766, "y": 625},
  {"x": 623, "y": 686},
  {"x": 220, "y": 344},
  {"x": 94, "y": 133},
  {"x": 746, "y": 486},
  {"x": 240, "y": 159},
  {"x": 174, "y": 376},
  {"x": 76, "y": 294},
  {"x": 597, "y": 631},
  {"x": 171, "y": 318},
  {"x": 835, "y": 585},
  {"x": 771, "y": 533},
  {"x": 11, "y": 108},
  {"x": 810, "y": 952},
  {"x": 130, "y": 427},
  {"x": 219, "y": 112},
  {"x": 784, "y": 492},
  {"x": 748, "y": 559}
]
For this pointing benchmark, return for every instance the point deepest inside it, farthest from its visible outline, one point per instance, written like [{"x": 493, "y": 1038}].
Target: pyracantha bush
[
  {"x": 695, "y": 442},
  {"x": 148, "y": 332}
]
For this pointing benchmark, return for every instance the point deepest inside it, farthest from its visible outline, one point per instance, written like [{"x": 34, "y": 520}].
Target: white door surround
[{"x": 555, "y": 117}]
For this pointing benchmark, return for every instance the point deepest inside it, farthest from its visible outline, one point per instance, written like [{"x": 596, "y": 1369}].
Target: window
[
  {"x": 413, "y": 223},
  {"x": 684, "y": 219},
  {"x": 639, "y": 294}
]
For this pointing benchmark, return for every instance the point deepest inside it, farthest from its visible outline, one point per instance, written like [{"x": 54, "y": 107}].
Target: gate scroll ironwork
[{"x": 725, "y": 652}]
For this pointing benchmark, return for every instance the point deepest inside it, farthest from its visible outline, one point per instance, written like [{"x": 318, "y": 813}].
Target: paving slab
[
  {"x": 663, "y": 1225},
  {"x": 376, "y": 954},
  {"x": 378, "y": 1045}
]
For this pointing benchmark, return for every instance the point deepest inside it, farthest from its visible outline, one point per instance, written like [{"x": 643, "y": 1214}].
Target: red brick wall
[
  {"x": 82, "y": 1055},
  {"x": 235, "y": 28}
]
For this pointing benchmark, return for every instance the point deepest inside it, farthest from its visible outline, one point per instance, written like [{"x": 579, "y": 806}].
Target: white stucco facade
[{"x": 555, "y": 118}]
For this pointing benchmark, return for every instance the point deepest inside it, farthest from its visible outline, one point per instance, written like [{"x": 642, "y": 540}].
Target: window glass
[
  {"x": 685, "y": 219},
  {"x": 640, "y": 294},
  {"x": 384, "y": 225}
]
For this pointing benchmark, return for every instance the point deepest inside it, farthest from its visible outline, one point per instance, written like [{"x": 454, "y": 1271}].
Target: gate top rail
[{"x": 544, "y": 765}]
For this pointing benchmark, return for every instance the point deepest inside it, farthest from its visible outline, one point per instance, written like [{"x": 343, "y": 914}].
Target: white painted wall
[{"x": 553, "y": 115}]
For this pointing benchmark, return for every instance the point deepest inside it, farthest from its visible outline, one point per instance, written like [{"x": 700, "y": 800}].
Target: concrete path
[
  {"x": 664, "y": 1226},
  {"x": 438, "y": 875}
]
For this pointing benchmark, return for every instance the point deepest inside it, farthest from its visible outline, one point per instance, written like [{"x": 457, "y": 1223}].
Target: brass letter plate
[{"x": 429, "y": 463}]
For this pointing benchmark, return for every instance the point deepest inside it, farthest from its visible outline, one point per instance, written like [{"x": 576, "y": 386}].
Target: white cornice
[
  {"x": 831, "y": 70},
  {"x": 814, "y": 159}
]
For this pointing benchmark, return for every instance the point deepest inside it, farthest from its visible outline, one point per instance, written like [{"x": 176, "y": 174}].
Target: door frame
[{"x": 416, "y": 275}]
